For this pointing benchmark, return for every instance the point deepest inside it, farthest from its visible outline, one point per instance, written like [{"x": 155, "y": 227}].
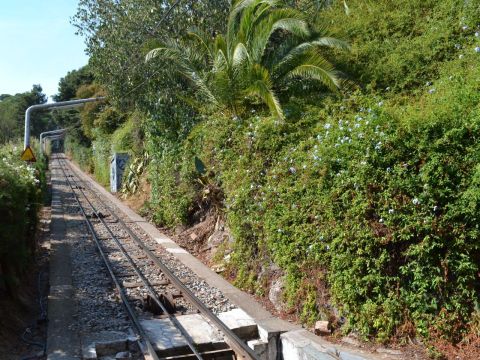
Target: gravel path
[
  {"x": 99, "y": 309},
  {"x": 210, "y": 296}
]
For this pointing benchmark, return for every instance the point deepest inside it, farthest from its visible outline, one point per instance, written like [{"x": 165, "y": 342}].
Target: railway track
[{"x": 144, "y": 283}]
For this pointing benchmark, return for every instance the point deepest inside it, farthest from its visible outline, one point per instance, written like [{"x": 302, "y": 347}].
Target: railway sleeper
[
  {"x": 167, "y": 300},
  {"x": 219, "y": 354},
  {"x": 98, "y": 215}
]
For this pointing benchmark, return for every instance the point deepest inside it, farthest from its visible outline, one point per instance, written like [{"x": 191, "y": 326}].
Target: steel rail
[
  {"x": 235, "y": 342},
  {"x": 147, "y": 284},
  {"x": 130, "y": 311}
]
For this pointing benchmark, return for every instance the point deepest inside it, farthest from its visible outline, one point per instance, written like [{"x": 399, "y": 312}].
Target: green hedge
[
  {"x": 20, "y": 199},
  {"x": 371, "y": 208}
]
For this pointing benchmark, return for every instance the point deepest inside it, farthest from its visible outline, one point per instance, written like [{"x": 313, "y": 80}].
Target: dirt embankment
[{"x": 23, "y": 311}]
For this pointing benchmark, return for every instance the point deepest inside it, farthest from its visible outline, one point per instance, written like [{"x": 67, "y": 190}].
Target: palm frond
[
  {"x": 240, "y": 55},
  {"x": 154, "y": 53},
  {"x": 260, "y": 85},
  {"x": 202, "y": 86},
  {"x": 331, "y": 42},
  {"x": 237, "y": 9},
  {"x": 287, "y": 20},
  {"x": 202, "y": 39},
  {"x": 318, "y": 68}
]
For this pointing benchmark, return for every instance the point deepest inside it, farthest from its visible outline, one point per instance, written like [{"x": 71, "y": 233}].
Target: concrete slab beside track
[{"x": 62, "y": 342}]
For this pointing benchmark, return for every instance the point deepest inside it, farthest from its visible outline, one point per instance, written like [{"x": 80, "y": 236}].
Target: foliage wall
[
  {"x": 21, "y": 196},
  {"x": 367, "y": 199}
]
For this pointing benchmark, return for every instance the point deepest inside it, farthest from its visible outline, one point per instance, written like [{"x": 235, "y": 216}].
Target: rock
[
  {"x": 389, "y": 351},
  {"x": 322, "y": 328},
  {"x": 275, "y": 295},
  {"x": 219, "y": 268},
  {"x": 179, "y": 229},
  {"x": 274, "y": 268},
  {"x": 110, "y": 347},
  {"x": 124, "y": 355},
  {"x": 351, "y": 339}
]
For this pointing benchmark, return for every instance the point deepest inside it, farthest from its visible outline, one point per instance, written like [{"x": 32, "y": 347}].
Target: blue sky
[{"x": 38, "y": 44}]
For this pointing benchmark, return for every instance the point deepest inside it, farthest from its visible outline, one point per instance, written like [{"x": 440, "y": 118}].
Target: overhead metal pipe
[
  {"x": 50, "y": 137},
  {"x": 50, "y": 132},
  {"x": 61, "y": 105}
]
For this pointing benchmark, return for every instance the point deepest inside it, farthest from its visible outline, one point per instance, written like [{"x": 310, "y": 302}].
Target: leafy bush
[
  {"x": 376, "y": 202},
  {"x": 369, "y": 204},
  {"x": 20, "y": 200},
  {"x": 80, "y": 152},
  {"x": 101, "y": 156},
  {"x": 402, "y": 44},
  {"x": 129, "y": 136}
]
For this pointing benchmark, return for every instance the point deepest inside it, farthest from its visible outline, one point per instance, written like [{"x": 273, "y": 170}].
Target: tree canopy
[{"x": 12, "y": 114}]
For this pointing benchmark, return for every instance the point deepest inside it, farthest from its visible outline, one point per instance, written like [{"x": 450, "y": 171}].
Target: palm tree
[{"x": 266, "y": 46}]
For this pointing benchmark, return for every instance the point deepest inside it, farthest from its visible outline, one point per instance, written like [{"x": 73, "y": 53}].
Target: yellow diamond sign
[{"x": 27, "y": 155}]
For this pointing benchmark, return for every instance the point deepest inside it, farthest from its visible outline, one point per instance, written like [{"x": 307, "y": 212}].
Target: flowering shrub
[
  {"x": 369, "y": 208},
  {"x": 20, "y": 199}
]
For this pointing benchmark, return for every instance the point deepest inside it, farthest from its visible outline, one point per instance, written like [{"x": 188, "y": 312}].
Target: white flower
[
  {"x": 477, "y": 34},
  {"x": 464, "y": 27},
  {"x": 292, "y": 170},
  {"x": 435, "y": 208},
  {"x": 460, "y": 56},
  {"x": 380, "y": 221},
  {"x": 415, "y": 201},
  {"x": 391, "y": 211},
  {"x": 458, "y": 46},
  {"x": 477, "y": 49},
  {"x": 327, "y": 126},
  {"x": 380, "y": 103},
  {"x": 432, "y": 90}
]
